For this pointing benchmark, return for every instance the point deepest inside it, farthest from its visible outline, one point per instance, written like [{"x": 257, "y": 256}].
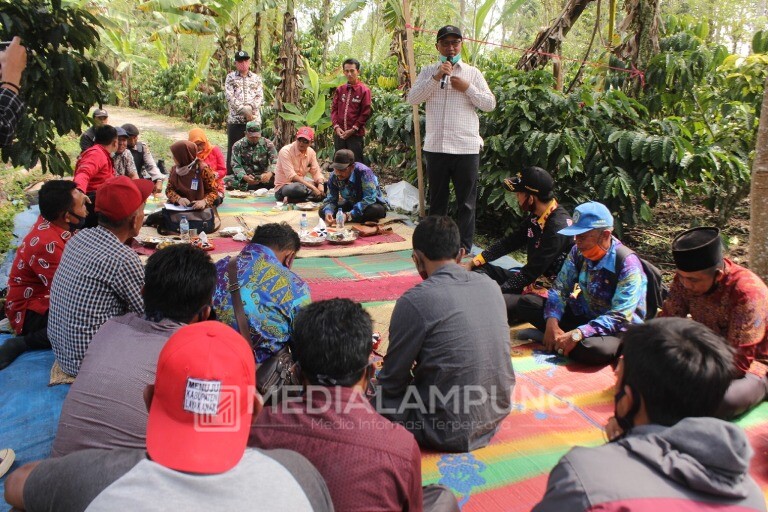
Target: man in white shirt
[{"x": 453, "y": 91}]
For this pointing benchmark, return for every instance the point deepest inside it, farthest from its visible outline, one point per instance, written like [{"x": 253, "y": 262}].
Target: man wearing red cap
[
  {"x": 99, "y": 277},
  {"x": 298, "y": 176},
  {"x": 200, "y": 412},
  {"x": 729, "y": 299}
]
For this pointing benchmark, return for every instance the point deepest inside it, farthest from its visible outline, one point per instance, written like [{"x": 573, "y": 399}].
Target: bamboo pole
[{"x": 416, "y": 121}]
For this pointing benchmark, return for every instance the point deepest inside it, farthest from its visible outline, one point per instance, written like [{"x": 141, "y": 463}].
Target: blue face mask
[{"x": 453, "y": 60}]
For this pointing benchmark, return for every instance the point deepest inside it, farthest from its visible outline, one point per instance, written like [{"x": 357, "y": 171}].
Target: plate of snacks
[
  {"x": 345, "y": 237},
  {"x": 203, "y": 244},
  {"x": 308, "y": 207},
  {"x": 230, "y": 231},
  {"x": 151, "y": 242},
  {"x": 311, "y": 241},
  {"x": 238, "y": 194}
]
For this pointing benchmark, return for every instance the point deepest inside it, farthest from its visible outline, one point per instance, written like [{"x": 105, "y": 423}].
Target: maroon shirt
[
  {"x": 368, "y": 462},
  {"x": 351, "y": 107}
]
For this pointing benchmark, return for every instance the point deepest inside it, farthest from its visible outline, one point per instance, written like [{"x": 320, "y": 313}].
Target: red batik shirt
[
  {"x": 737, "y": 310},
  {"x": 29, "y": 284},
  {"x": 351, "y": 107}
]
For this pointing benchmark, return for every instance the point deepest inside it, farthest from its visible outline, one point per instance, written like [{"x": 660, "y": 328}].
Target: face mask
[
  {"x": 453, "y": 60},
  {"x": 596, "y": 253},
  {"x": 627, "y": 421},
  {"x": 529, "y": 205},
  {"x": 112, "y": 153},
  {"x": 80, "y": 222}
]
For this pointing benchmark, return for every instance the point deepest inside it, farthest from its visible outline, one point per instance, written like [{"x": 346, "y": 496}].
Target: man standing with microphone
[{"x": 453, "y": 91}]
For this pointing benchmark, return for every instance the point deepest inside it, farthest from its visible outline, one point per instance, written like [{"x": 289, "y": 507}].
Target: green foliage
[{"x": 61, "y": 81}]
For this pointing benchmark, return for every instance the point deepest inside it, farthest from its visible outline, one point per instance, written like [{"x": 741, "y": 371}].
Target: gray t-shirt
[
  {"x": 108, "y": 480},
  {"x": 105, "y": 406}
]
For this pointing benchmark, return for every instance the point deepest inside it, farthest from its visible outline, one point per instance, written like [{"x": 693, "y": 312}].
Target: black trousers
[
  {"x": 371, "y": 212},
  {"x": 501, "y": 276},
  {"x": 595, "y": 350},
  {"x": 461, "y": 170},
  {"x": 353, "y": 143},
  {"x": 235, "y": 132},
  {"x": 35, "y": 331}
]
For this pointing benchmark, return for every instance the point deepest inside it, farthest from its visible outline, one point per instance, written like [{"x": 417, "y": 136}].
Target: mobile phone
[{"x": 4, "y": 45}]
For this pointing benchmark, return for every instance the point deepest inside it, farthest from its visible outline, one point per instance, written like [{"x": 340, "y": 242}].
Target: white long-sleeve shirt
[{"x": 452, "y": 123}]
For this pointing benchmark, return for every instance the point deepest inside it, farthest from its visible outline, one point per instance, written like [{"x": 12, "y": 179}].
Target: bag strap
[{"x": 237, "y": 301}]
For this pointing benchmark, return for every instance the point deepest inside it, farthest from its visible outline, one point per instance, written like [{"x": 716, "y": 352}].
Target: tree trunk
[
  {"x": 325, "y": 19},
  {"x": 758, "y": 220},
  {"x": 257, "y": 21},
  {"x": 397, "y": 48},
  {"x": 548, "y": 41},
  {"x": 642, "y": 25},
  {"x": 289, "y": 89}
]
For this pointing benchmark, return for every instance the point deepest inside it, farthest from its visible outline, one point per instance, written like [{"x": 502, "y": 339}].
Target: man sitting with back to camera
[
  {"x": 104, "y": 408},
  {"x": 453, "y": 326},
  {"x": 669, "y": 453},
  {"x": 271, "y": 293},
  {"x": 585, "y": 325},
  {"x": 371, "y": 463},
  {"x": 546, "y": 248}
]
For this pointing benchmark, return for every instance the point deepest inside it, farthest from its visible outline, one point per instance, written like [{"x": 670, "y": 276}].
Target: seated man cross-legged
[
  {"x": 99, "y": 277},
  {"x": 253, "y": 160},
  {"x": 546, "y": 248},
  {"x": 730, "y": 300},
  {"x": 453, "y": 325},
  {"x": 666, "y": 451},
  {"x": 297, "y": 174},
  {"x": 104, "y": 408},
  {"x": 62, "y": 211},
  {"x": 355, "y": 189},
  {"x": 585, "y": 325},
  {"x": 368, "y": 463}
]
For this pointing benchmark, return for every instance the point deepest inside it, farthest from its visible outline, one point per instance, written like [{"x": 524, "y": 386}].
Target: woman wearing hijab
[
  {"x": 191, "y": 182},
  {"x": 211, "y": 155}
]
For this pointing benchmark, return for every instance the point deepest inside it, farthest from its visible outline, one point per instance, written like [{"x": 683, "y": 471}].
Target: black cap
[
  {"x": 532, "y": 180},
  {"x": 241, "y": 55},
  {"x": 343, "y": 159},
  {"x": 449, "y": 30},
  {"x": 130, "y": 129},
  {"x": 100, "y": 112},
  {"x": 697, "y": 249}
]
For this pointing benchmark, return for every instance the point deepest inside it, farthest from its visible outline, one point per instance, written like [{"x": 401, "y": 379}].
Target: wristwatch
[{"x": 577, "y": 335}]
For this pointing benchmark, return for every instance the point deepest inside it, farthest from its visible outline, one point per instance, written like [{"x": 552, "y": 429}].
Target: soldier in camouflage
[{"x": 253, "y": 160}]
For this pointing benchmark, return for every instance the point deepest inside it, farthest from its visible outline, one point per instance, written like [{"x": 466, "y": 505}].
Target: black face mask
[
  {"x": 80, "y": 222},
  {"x": 627, "y": 421}
]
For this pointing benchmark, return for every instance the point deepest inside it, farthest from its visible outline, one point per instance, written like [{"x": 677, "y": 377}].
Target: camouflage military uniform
[{"x": 253, "y": 159}]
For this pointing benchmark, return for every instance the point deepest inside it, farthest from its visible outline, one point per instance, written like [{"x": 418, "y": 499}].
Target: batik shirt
[
  {"x": 361, "y": 189},
  {"x": 243, "y": 91},
  {"x": 737, "y": 310},
  {"x": 29, "y": 284},
  {"x": 250, "y": 158},
  {"x": 124, "y": 165},
  {"x": 271, "y": 295},
  {"x": 613, "y": 298}
]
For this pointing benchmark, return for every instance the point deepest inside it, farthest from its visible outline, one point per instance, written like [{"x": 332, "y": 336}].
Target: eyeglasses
[{"x": 452, "y": 42}]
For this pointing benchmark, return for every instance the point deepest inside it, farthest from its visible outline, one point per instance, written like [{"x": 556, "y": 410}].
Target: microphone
[{"x": 444, "y": 80}]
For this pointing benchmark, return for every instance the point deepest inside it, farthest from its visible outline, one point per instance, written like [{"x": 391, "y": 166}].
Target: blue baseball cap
[{"x": 588, "y": 216}]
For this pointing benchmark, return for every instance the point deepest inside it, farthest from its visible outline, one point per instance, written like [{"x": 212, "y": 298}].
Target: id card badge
[{"x": 195, "y": 184}]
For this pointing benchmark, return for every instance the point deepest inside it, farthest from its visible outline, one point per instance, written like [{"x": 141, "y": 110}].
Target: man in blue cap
[{"x": 583, "y": 323}]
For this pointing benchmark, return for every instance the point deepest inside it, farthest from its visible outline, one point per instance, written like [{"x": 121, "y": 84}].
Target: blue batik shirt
[
  {"x": 361, "y": 190},
  {"x": 271, "y": 293},
  {"x": 613, "y": 301}
]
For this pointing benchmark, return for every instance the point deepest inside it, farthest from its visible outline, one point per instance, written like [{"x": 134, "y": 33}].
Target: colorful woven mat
[{"x": 555, "y": 406}]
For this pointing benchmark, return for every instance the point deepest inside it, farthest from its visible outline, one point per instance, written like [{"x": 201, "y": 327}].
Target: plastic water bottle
[
  {"x": 303, "y": 225},
  {"x": 340, "y": 217},
  {"x": 184, "y": 229}
]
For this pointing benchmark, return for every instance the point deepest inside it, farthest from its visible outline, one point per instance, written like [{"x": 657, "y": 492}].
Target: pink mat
[
  {"x": 227, "y": 245},
  {"x": 363, "y": 290}
]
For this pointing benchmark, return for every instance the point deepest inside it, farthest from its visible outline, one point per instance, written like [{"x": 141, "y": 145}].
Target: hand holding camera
[{"x": 13, "y": 60}]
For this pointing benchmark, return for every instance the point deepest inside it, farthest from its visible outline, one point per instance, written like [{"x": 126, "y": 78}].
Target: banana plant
[{"x": 316, "y": 93}]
